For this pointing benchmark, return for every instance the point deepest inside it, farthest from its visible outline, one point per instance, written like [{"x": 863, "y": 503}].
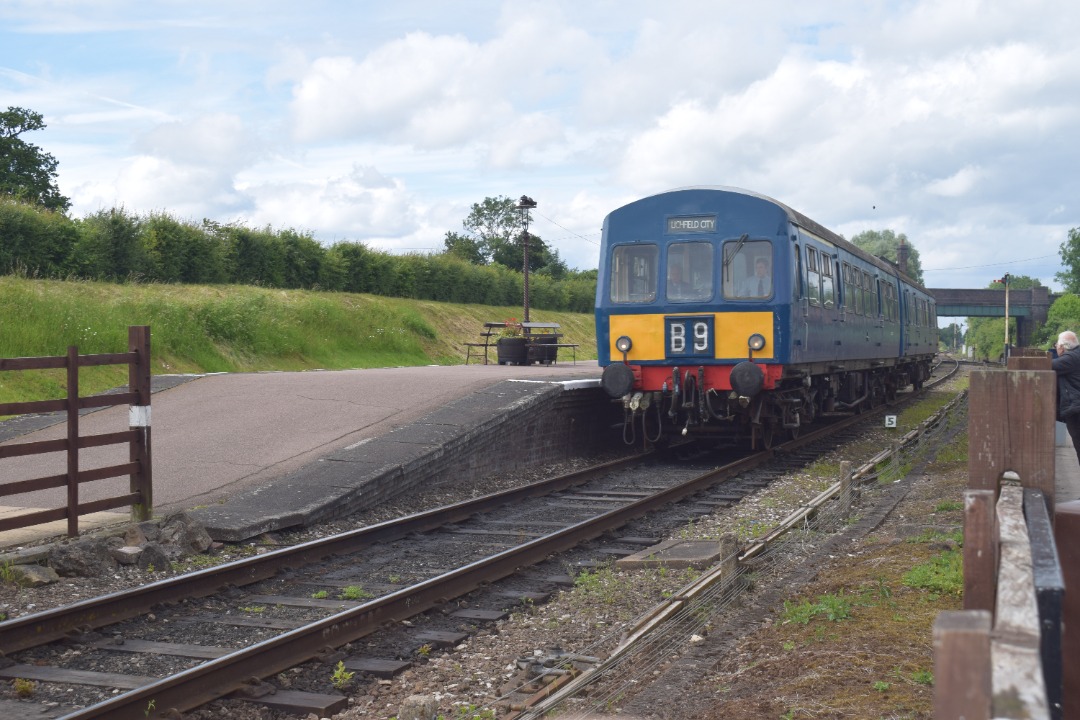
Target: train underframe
[{"x": 698, "y": 401}]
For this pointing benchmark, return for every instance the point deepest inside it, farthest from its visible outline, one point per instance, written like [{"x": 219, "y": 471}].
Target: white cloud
[
  {"x": 950, "y": 121},
  {"x": 356, "y": 205},
  {"x": 342, "y": 98},
  {"x": 960, "y": 183}
]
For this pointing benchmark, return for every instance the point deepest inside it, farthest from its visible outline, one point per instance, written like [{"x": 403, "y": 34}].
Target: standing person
[{"x": 1067, "y": 367}]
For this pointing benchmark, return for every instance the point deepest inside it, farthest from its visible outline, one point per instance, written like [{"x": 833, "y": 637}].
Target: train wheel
[{"x": 795, "y": 431}]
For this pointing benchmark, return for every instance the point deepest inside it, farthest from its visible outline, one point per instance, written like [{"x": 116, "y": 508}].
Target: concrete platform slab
[{"x": 675, "y": 553}]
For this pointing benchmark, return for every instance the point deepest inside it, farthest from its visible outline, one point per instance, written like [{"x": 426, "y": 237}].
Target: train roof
[{"x": 797, "y": 218}]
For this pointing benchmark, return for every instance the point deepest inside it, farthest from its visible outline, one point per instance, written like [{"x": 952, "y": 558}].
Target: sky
[{"x": 954, "y": 122}]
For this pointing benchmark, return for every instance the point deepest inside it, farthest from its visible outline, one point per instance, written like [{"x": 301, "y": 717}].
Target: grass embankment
[{"x": 233, "y": 328}]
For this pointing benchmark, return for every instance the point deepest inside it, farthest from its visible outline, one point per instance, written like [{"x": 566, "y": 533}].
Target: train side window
[
  {"x": 851, "y": 289},
  {"x": 634, "y": 273},
  {"x": 869, "y": 305},
  {"x": 828, "y": 292},
  {"x": 689, "y": 271},
  {"x": 813, "y": 277},
  {"x": 894, "y": 303},
  {"x": 860, "y": 291}
]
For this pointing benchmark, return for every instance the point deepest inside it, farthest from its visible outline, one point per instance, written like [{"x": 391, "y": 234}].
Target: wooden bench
[
  {"x": 488, "y": 333},
  {"x": 471, "y": 347},
  {"x": 573, "y": 350}
]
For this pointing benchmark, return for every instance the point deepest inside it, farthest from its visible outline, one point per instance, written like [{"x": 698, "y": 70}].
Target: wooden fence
[
  {"x": 1007, "y": 654},
  {"x": 138, "y": 467}
]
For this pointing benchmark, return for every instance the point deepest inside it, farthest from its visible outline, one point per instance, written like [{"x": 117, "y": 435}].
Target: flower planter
[
  {"x": 511, "y": 351},
  {"x": 543, "y": 349}
]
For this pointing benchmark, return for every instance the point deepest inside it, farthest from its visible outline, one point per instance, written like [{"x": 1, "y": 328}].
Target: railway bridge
[{"x": 1028, "y": 307}]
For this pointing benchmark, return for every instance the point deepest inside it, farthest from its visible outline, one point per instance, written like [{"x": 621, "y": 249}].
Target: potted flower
[
  {"x": 511, "y": 347},
  {"x": 543, "y": 349}
]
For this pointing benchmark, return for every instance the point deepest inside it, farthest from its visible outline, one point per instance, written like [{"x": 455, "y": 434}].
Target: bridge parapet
[{"x": 1029, "y": 307}]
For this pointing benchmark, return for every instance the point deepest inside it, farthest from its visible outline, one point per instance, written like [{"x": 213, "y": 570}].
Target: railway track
[{"x": 323, "y": 584}]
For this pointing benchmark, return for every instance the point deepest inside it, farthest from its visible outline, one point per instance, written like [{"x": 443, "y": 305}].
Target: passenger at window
[
  {"x": 760, "y": 283},
  {"x": 677, "y": 289}
]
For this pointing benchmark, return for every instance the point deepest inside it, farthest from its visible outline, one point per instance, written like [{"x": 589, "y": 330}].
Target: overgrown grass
[
  {"x": 942, "y": 574},
  {"x": 830, "y": 607},
  {"x": 197, "y": 329}
]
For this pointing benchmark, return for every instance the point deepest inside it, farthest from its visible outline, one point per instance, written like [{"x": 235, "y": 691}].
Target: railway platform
[
  {"x": 247, "y": 453},
  {"x": 1066, "y": 468}
]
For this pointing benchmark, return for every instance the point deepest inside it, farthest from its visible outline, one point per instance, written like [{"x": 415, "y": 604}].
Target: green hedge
[{"x": 117, "y": 246}]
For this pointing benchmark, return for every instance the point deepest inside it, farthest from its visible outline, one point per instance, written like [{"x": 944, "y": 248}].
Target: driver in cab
[{"x": 760, "y": 283}]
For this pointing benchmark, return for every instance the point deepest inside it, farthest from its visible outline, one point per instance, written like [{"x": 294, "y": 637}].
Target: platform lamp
[{"x": 525, "y": 204}]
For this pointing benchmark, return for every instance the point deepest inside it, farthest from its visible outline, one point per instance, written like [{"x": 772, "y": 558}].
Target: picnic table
[{"x": 539, "y": 342}]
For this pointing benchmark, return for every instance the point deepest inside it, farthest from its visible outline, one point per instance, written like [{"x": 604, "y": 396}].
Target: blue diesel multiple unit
[{"x": 721, "y": 311}]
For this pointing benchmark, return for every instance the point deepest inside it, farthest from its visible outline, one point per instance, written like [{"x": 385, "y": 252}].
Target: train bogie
[{"x": 723, "y": 312}]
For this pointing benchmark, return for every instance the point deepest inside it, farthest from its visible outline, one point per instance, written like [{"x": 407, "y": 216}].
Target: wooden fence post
[
  {"x": 1011, "y": 427},
  {"x": 141, "y": 481},
  {"x": 848, "y": 489},
  {"x": 1067, "y": 539},
  {"x": 962, "y": 665},
  {"x": 980, "y": 550},
  {"x": 73, "y": 441}
]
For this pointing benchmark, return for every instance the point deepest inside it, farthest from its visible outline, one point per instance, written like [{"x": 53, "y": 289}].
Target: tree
[
  {"x": 1069, "y": 277},
  {"x": 951, "y": 336},
  {"x": 464, "y": 247},
  {"x": 26, "y": 171},
  {"x": 884, "y": 243},
  {"x": 1016, "y": 282},
  {"x": 1064, "y": 314},
  {"x": 493, "y": 234}
]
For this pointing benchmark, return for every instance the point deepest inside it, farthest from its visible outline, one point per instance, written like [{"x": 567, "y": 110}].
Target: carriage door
[{"x": 817, "y": 309}]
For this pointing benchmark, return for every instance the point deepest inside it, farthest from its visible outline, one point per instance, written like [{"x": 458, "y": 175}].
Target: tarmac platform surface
[{"x": 222, "y": 441}]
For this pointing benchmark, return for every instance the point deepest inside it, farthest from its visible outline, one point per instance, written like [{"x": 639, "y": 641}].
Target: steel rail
[
  {"x": 229, "y": 673},
  {"x": 50, "y": 625},
  {"x": 656, "y": 617},
  {"x": 222, "y": 676}
]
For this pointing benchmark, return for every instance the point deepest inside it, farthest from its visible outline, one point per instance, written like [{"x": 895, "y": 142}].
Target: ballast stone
[
  {"x": 32, "y": 576},
  {"x": 419, "y": 707}
]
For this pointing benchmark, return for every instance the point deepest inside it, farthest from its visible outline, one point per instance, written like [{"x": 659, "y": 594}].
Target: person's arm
[{"x": 1066, "y": 363}]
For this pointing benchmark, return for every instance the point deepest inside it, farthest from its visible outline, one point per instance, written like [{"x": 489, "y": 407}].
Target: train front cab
[
  {"x": 694, "y": 315},
  {"x": 670, "y": 321}
]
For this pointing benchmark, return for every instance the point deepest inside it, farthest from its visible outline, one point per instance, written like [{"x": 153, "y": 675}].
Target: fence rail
[
  {"x": 137, "y": 436},
  {"x": 1005, "y": 654}
]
